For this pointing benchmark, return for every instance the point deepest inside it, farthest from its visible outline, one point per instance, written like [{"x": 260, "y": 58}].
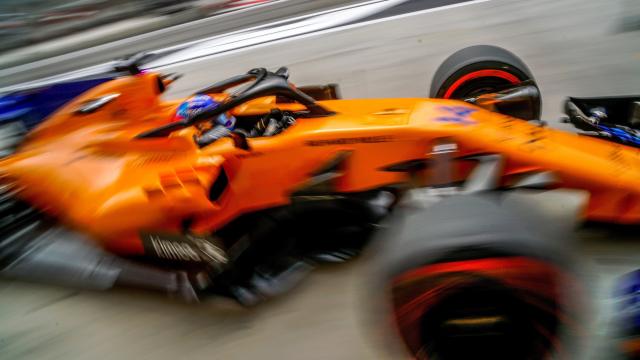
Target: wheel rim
[
  {"x": 527, "y": 313},
  {"x": 501, "y": 76}
]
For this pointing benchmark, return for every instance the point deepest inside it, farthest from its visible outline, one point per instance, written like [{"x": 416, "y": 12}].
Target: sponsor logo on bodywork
[
  {"x": 184, "y": 248},
  {"x": 457, "y": 115},
  {"x": 347, "y": 141}
]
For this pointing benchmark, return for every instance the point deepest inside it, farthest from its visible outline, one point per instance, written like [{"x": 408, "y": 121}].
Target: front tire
[
  {"x": 478, "y": 70},
  {"x": 484, "y": 287}
]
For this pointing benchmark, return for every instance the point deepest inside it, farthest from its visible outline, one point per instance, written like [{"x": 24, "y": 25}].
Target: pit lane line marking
[
  {"x": 270, "y": 33},
  {"x": 304, "y": 35},
  {"x": 140, "y": 38}
]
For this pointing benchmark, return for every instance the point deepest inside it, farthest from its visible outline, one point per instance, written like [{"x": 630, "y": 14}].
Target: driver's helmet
[{"x": 200, "y": 103}]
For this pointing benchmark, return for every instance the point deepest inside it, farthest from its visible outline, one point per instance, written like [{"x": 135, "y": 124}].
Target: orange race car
[{"x": 197, "y": 206}]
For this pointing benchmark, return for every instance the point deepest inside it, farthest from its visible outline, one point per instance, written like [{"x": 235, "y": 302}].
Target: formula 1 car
[{"x": 110, "y": 190}]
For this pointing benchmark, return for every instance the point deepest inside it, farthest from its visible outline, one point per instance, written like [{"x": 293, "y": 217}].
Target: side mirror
[
  {"x": 284, "y": 72},
  {"x": 165, "y": 80}
]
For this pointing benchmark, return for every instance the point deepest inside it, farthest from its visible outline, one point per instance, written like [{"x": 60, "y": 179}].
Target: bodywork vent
[{"x": 218, "y": 187}]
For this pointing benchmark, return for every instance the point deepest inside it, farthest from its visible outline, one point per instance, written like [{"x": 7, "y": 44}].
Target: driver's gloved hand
[
  {"x": 267, "y": 126},
  {"x": 210, "y": 136},
  {"x": 273, "y": 127},
  {"x": 275, "y": 123}
]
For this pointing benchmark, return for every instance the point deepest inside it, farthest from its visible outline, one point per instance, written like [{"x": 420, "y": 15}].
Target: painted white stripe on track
[
  {"x": 165, "y": 62},
  {"x": 239, "y": 34},
  {"x": 268, "y": 34},
  {"x": 305, "y": 26}
]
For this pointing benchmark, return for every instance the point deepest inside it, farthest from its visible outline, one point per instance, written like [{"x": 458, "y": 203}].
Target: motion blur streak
[
  {"x": 338, "y": 19},
  {"x": 28, "y": 65},
  {"x": 315, "y": 26},
  {"x": 269, "y": 33}
]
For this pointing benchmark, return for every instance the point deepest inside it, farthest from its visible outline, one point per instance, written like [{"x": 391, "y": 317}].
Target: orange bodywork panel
[{"x": 91, "y": 173}]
